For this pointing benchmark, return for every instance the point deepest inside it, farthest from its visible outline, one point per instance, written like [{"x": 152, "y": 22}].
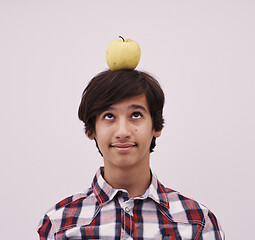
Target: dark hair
[{"x": 110, "y": 87}]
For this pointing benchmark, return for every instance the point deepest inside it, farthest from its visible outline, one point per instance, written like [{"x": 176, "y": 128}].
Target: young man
[{"x": 122, "y": 113}]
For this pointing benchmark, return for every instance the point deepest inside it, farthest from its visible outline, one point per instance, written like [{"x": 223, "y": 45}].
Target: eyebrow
[{"x": 133, "y": 106}]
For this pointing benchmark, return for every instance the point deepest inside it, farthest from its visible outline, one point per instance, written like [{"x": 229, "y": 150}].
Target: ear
[
  {"x": 91, "y": 136},
  {"x": 157, "y": 134}
]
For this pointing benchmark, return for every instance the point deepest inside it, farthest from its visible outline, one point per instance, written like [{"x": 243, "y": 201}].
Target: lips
[{"x": 123, "y": 147}]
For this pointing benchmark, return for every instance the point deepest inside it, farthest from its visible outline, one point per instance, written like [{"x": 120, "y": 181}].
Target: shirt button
[{"x": 127, "y": 209}]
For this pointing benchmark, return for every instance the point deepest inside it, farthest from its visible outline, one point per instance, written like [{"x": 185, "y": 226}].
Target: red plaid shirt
[{"x": 106, "y": 213}]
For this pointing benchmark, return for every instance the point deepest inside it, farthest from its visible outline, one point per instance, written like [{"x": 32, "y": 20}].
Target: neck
[{"x": 135, "y": 181}]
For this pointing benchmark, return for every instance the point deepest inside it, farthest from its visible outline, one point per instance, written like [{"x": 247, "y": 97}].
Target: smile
[{"x": 123, "y": 147}]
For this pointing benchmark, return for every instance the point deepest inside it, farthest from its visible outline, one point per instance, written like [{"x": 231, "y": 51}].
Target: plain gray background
[{"x": 203, "y": 54}]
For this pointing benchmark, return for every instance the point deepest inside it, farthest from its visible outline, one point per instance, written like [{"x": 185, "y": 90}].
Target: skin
[{"x": 124, "y": 133}]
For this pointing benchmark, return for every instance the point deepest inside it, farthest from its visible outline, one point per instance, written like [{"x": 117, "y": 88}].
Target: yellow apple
[{"x": 123, "y": 54}]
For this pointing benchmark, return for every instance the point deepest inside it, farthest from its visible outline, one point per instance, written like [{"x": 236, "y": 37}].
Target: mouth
[{"x": 123, "y": 147}]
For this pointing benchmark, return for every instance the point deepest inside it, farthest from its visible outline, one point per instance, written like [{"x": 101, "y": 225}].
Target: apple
[{"x": 123, "y": 54}]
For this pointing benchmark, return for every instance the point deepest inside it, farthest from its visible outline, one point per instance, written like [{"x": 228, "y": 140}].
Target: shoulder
[
  {"x": 70, "y": 207},
  {"x": 70, "y": 201},
  {"x": 185, "y": 209}
]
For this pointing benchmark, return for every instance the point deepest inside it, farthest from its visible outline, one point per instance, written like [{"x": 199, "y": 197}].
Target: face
[{"x": 124, "y": 133}]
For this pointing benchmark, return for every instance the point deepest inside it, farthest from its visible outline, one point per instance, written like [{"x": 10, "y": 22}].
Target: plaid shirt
[{"x": 106, "y": 213}]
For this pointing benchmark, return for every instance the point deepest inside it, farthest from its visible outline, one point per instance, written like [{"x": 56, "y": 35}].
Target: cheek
[
  {"x": 103, "y": 135},
  {"x": 143, "y": 133}
]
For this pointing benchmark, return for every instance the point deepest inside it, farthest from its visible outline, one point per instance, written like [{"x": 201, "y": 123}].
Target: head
[{"x": 110, "y": 87}]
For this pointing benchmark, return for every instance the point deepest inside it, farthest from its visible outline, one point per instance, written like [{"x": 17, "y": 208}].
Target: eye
[
  {"x": 108, "y": 116},
  {"x": 136, "y": 115}
]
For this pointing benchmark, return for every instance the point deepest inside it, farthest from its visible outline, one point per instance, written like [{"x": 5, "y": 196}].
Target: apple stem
[{"x": 122, "y": 38}]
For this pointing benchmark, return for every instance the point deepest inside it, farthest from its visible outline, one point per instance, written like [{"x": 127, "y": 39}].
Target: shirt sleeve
[
  {"x": 212, "y": 229},
  {"x": 45, "y": 229}
]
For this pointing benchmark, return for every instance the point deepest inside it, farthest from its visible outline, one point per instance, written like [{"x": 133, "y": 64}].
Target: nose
[{"x": 123, "y": 130}]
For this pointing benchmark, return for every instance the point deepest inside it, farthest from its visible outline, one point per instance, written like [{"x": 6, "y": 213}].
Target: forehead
[{"x": 132, "y": 102}]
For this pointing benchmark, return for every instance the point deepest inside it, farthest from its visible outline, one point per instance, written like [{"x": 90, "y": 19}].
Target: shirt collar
[{"x": 105, "y": 193}]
